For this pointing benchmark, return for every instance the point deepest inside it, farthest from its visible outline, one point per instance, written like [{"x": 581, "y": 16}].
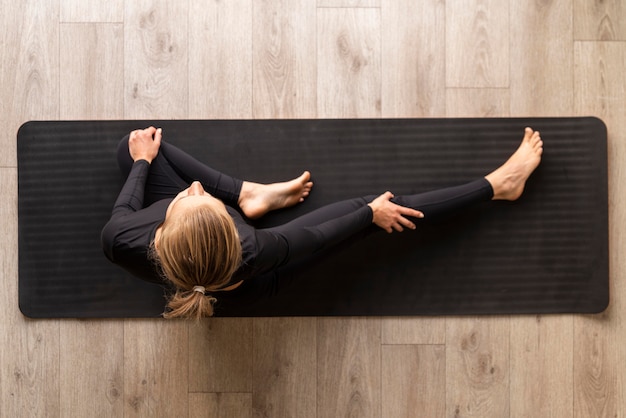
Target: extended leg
[
  {"x": 443, "y": 202},
  {"x": 328, "y": 225},
  {"x": 507, "y": 183},
  {"x": 325, "y": 227}
]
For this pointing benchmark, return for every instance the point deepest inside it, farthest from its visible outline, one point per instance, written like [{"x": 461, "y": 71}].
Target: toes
[
  {"x": 305, "y": 177},
  {"x": 528, "y": 133},
  {"x": 536, "y": 139}
]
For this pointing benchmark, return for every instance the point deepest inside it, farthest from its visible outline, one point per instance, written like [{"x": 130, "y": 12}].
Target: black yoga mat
[{"x": 545, "y": 253}]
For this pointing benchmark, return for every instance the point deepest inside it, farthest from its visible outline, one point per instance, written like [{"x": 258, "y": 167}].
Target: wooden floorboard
[
  {"x": 284, "y": 40},
  {"x": 155, "y": 59},
  {"x": 348, "y": 367},
  {"x": 414, "y": 380},
  {"x": 91, "y": 367},
  {"x": 92, "y": 85},
  {"x": 220, "y": 59},
  {"x": 599, "y": 375},
  {"x": 349, "y": 59},
  {"x": 284, "y": 367},
  {"x": 541, "y": 79},
  {"x": 413, "y": 45},
  {"x": 478, "y": 367},
  {"x": 220, "y": 355},
  {"x": 477, "y": 44}
]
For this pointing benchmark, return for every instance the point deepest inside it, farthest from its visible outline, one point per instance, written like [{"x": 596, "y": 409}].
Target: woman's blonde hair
[{"x": 199, "y": 247}]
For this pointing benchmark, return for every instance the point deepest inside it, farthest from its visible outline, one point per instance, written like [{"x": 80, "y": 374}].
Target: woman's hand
[
  {"x": 390, "y": 216},
  {"x": 143, "y": 144}
]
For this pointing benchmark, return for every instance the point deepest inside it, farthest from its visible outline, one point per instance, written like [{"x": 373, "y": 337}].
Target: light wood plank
[
  {"x": 599, "y": 368},
  {"x": 413, "y": 58},
  {"x": 155, "y": 59},
  {"x": 91, "y": 83},
  {"x": 477, "y": 103},
  {"x": 541, "y": 367},
  {"x": 477, "y": 367},
  {"x": 601, "y": 20},
  {"x": 599, "y": 387},
  {"x": 92, "y": 11},
  {"x": 542, "y": 60},
  {"x": 477, "y": 44},
  {"x": 349, "y": 59},
  {"x": 91, "y": 87},
  {"x": 30, "y": 73},
  {"x": 542, "y": 347},
  {"x": 220, "y": 355},
  {"x": 29, "y": 76},
  {"x": 413, "y": 85},
  {"x": 413, "y": 330},
  {"x": 156, "y": 368},
  {"x": 349, "y": 368},
  {"x": 222, "y": 405},
  {"x": 220, "y": 59},
  {"x": 285, "y": 367},
  {"x": 29, "y": 350},
  {"x": 413, "y": 381},
  {"x": 284, "y": 62},
  {"x": 92, "y": 368},
  {"x": 348, "y": 3},
  {"x": 30, "y": 368}
]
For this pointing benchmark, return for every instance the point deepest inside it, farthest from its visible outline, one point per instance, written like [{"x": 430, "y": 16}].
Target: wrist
[{"x": 372, "y": 211}]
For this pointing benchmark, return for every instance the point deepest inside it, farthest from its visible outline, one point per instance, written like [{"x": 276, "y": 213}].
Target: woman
[{"x": 198, "y": 243}]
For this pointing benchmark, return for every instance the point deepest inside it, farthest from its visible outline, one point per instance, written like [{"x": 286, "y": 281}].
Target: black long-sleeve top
[{"x": 128, "y": 236}]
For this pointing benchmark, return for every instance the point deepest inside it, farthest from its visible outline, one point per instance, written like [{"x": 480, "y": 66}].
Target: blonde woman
[{"x": 179, "y": 223}]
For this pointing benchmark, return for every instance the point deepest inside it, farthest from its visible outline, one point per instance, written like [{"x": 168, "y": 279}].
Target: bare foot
[
  {"x": 509, "y": 179},
  {"x": 255, "y": 199}
]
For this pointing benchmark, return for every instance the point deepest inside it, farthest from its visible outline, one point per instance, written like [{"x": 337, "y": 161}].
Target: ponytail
[{"x": 190, "y": 305}]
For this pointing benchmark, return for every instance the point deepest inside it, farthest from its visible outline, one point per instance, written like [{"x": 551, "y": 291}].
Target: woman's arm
[
  {"x": 131, "y": 197},
  {"x": 143, "y": 149}
]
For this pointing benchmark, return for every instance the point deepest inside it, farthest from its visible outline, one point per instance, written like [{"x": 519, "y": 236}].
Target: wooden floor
[{"x": 79, "y": 59}]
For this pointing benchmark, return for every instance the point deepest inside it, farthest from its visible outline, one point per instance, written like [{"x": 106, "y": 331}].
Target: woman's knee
[{"x": 124, "y": 160}]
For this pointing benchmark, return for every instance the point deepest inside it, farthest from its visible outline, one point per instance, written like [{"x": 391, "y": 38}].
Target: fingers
[
  {"x": 157, "y": 136},
  {"x": 144, "y": 144},
  {"x": 411, "y": 212},
  {"x": 391, "y": 216},
  {"x": 148, "y": 132},
  {"x": 403, "y": 222}
]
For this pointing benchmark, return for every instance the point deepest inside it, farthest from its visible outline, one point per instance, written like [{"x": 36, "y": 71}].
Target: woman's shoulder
[{"x": 133, "y": 229}]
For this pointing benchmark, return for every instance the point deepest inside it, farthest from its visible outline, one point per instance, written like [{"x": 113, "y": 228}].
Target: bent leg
[
  {"x": 173, "y": 170},
  {"x": 162, "y": 183},
  {"x": 220, "y": 185}
]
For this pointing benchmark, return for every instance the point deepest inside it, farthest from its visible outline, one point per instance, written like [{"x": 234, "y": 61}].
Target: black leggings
[{"x": 174, "y": 170}]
